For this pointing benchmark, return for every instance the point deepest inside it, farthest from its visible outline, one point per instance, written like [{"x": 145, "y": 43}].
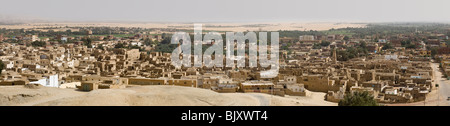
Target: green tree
[
  {"x": 87, "y": 42},
  {"x": 411, "y": 46},
  {"x": 38, "y": 43},
  {"x": 166, "y": 40},
  {"x": 346, "y": 38},
  {"x": 387, "y": 46},
  {"x": 358, "y": 99},
  {"x": 407, "y": 42},
  {"x": 434, "y": 51},
  {"x": 363, "y": 44},
  {"x": 148, "y": 41},
  {"x": 100, "y": 46},
  {"x": 325, "y": 43},
  {"x": 317, "y": 46},
  {"x": 119, "y": 45}
]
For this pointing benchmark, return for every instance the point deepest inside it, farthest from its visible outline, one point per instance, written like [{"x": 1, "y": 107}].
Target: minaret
[
  {"x": 179, "y": 46},
  {"x": 334, "y": 56}
]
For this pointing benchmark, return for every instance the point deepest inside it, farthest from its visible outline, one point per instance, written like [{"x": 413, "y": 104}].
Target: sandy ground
[
  {"x": 235, "y": 27},
  {"x": 150, "y": 96}
]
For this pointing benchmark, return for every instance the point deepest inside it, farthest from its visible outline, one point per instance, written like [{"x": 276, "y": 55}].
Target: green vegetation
[
  {"x": 372, "y": 29},
  {"x": 346, "y": 38},
  {"x": 120, "y": 45},
  {"x": 352, "y": 52},
  {"x": 148, "y": 42},
  {"x": 358, "y": 99},
  {"x": 38, "y": 44},
  {"x": 295, "y": 34},
  {"x": 285, "y": 47},
  {"x": 339, "y": 32},
  {"x": 165, "y": 46},
  {"x": 87, "y": 42},
  {"x": 127, "y": 46},
  {"x": 100, "y": 46},
  {"x": 434, "y": 51},
  {"x": 320, "y": 45},
  {"x": 387, "y": 46},
  {"x": 115, "y": 35},
  {"x": 447, "y": 42},
  {"x": 325, "y": 43},
  {"x": 316, "y": 46},
  {"x": 384, "y": 29},
  {"x": 407, "y": 44}
]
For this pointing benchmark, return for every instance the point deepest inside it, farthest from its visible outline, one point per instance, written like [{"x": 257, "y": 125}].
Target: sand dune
[
  {"x": 234, "y": 27},
  {"x": 149, "y": 96}
]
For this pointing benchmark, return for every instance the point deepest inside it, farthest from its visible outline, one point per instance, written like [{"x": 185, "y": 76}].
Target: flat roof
[{"x": 257, "y": 83}]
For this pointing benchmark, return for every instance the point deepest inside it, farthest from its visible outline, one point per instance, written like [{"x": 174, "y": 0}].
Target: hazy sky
[{"x": 230, "y": 10}]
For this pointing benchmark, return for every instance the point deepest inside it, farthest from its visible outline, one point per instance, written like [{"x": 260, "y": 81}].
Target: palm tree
[{"x": 358, "y": 99}]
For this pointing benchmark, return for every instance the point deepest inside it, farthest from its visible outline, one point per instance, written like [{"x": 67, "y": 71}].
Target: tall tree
[
  {"x": 358, "y": 99},
  {"x": 346, "y": 38},
  {"x": 148, "y": 41},
  {"x": 88, "y": 42}
]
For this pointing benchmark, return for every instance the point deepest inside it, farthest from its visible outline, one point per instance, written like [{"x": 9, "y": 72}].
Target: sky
[{"x": 229, "y": 10}]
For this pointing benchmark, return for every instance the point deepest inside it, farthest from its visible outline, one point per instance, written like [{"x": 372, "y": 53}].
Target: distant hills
[{"x": 14, "y": 20}]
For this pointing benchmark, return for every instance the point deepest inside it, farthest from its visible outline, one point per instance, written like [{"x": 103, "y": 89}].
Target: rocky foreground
[{"x": 148, "y": 96}]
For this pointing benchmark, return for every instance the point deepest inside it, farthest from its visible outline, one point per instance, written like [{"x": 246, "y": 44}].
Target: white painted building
[
  {"x": 136, "y": 43},
  {"x": 306, "y": 37},
  {"x": 390, "y": 57},
  {"x": 48, "y": 81},
  {"x": 8, "y": 64}
]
